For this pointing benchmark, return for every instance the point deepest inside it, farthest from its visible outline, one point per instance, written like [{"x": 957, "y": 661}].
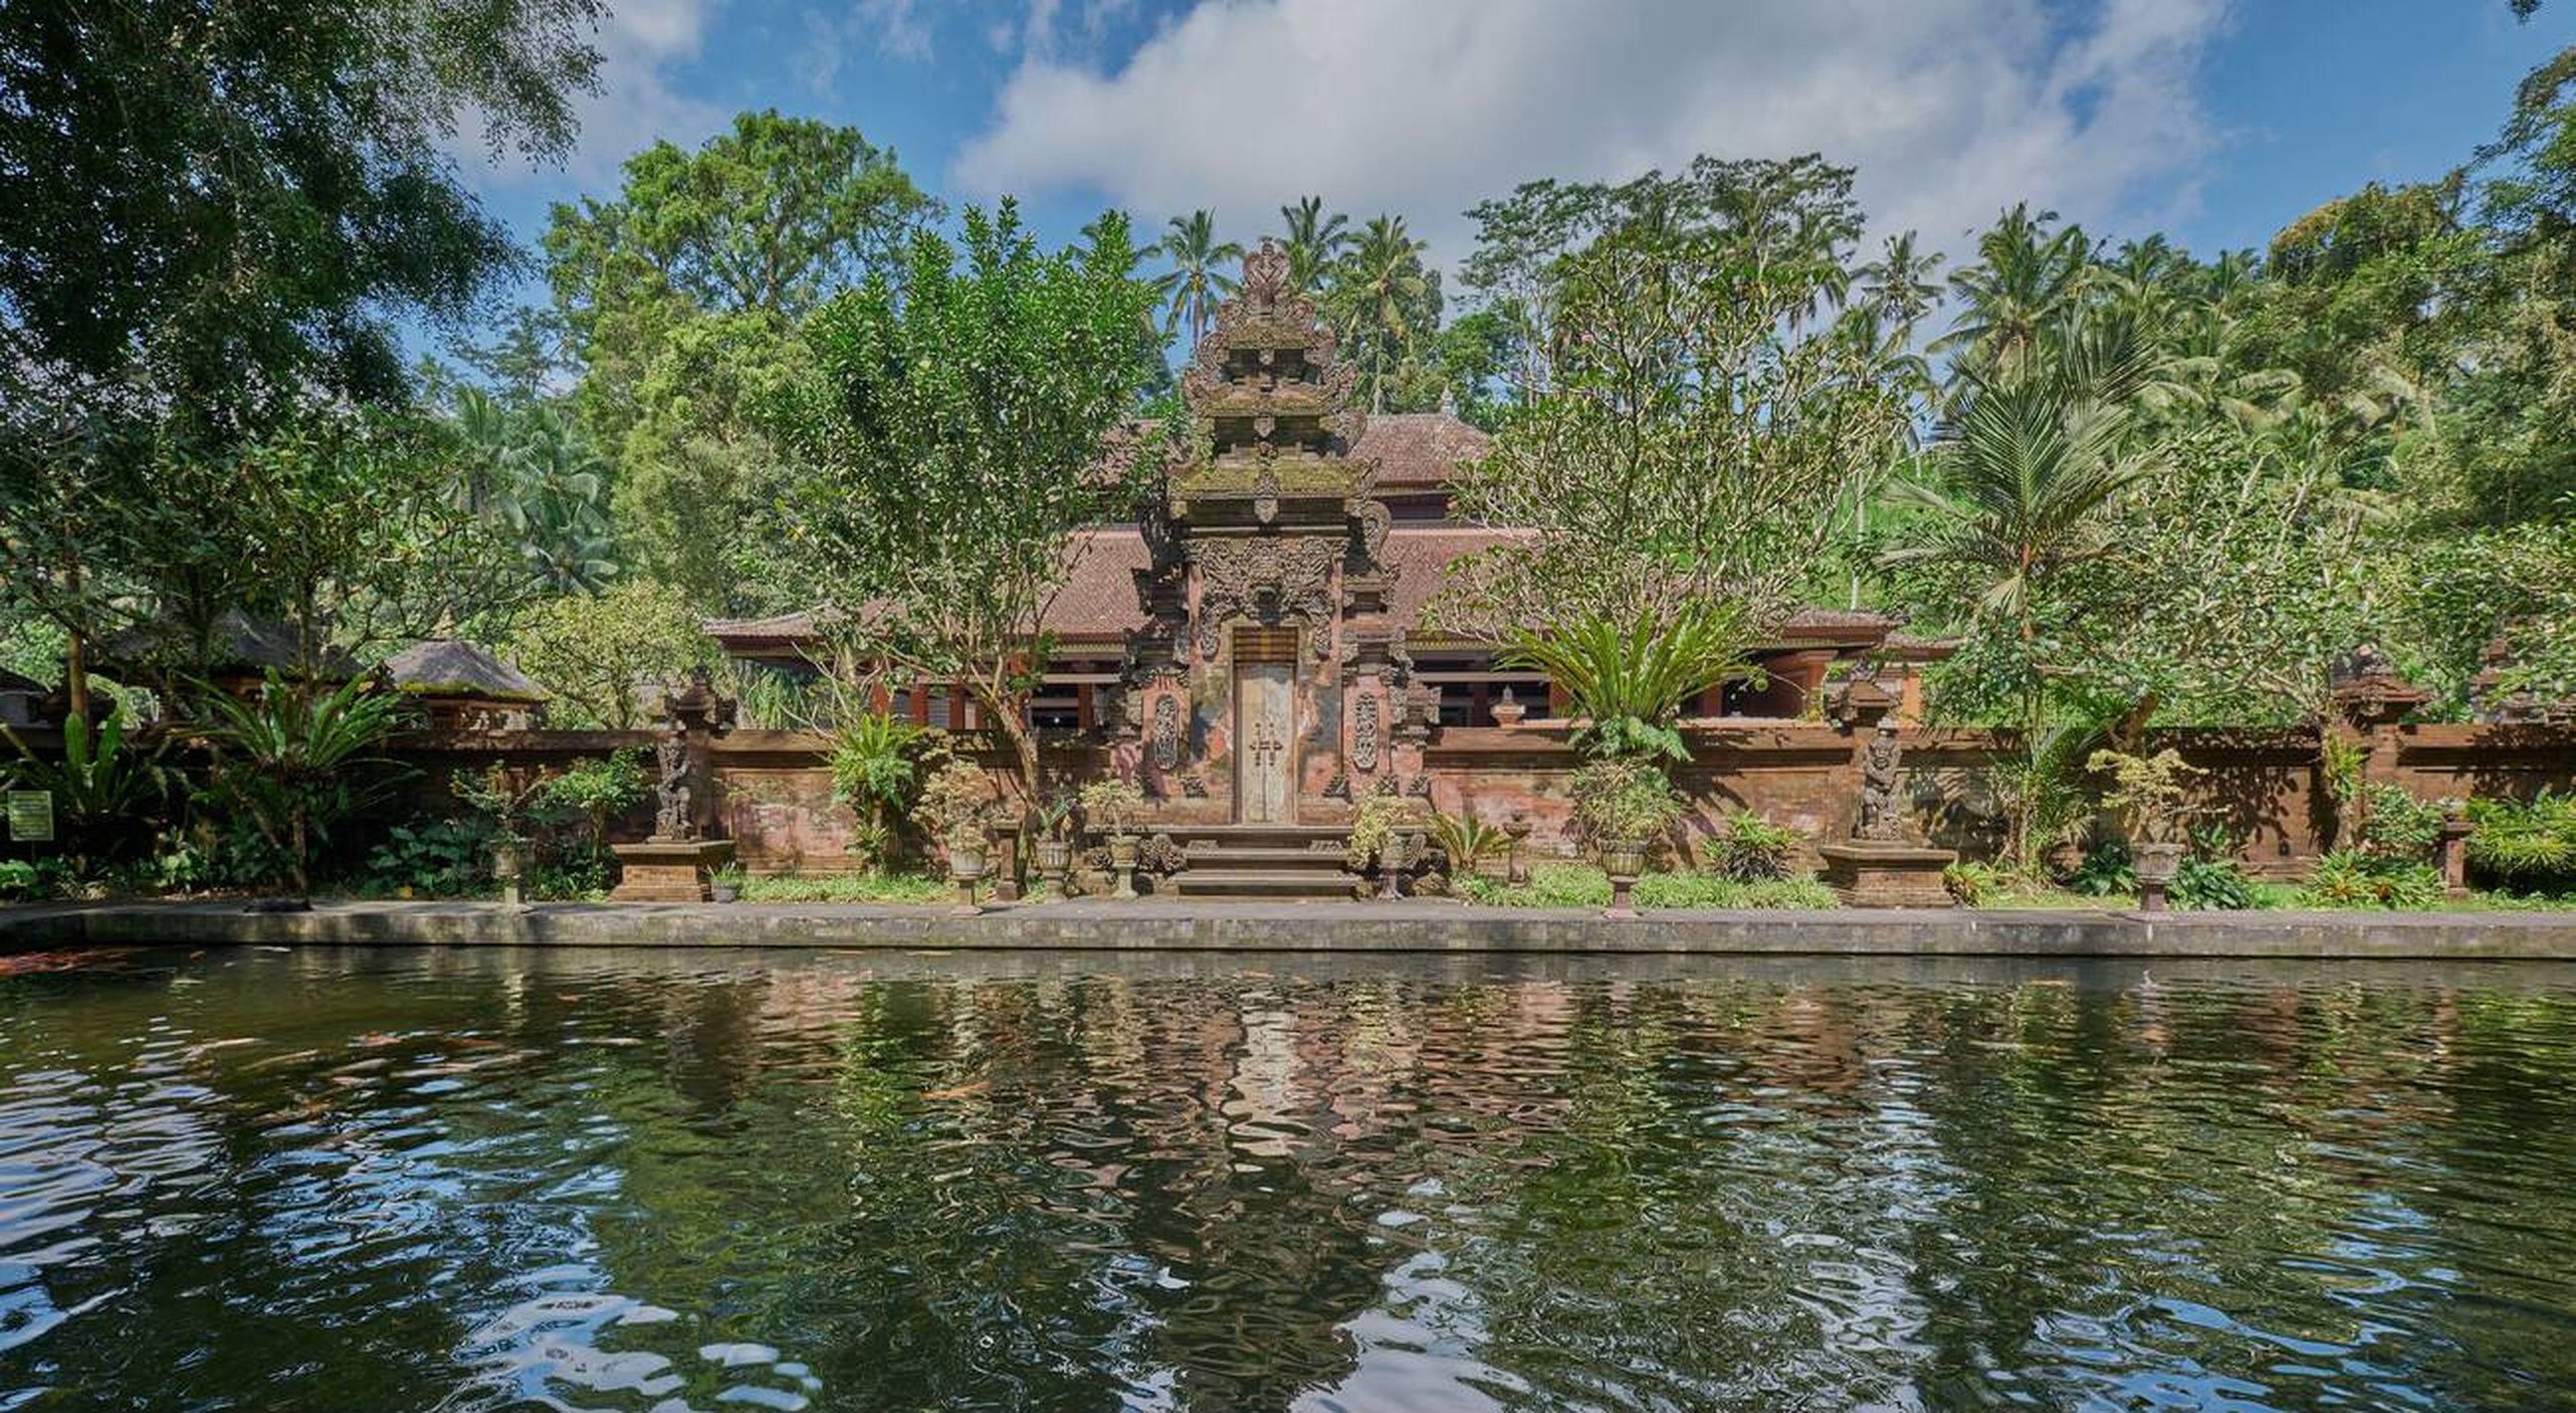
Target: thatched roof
[
  {"x": 239, "y": 643},
  {"x": 448, "y": 667}
]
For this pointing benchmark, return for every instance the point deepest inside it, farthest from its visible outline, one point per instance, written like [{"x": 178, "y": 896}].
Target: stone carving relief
[
  {"x": 672, "y": 820},
  {"x": 1167, "y": 732},
  {"x": 1269, "y": 580},
  {"x": 1364, "y": 734}
]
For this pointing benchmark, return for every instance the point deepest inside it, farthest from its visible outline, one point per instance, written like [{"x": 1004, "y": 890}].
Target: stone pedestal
[
  {"x": 668, "y": 870},
  {"x": 1870, "y": 874}
]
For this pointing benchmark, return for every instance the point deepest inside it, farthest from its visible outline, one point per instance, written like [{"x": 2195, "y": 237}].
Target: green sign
[{"x": 31, "y": 816}]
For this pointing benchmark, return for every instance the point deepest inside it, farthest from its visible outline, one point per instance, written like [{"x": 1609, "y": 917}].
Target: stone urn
[
  {"x": 509, "y": 865},
  {"x": 1508, "y": 712},
  {"x": 966, "y": 868},
  {"x": 1623, "y": 860},
  {"x": 1125, "y": 852},
  {"x": 1055, "y": 862},
  {"x": 2157, "y": 866}
]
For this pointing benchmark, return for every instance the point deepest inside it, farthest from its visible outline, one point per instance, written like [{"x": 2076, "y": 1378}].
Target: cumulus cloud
[
  {"x": 639, "y": 100},
  {"x": 1951, "y": 109}
]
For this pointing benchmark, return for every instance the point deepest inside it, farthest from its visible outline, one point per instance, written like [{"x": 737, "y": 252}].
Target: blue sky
[{"x": 2216, "y": 122}]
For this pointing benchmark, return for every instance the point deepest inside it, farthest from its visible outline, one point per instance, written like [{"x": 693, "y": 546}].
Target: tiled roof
[
  {"x": 1418, "y": 450},
  {"x": 1099, "y": 602}
]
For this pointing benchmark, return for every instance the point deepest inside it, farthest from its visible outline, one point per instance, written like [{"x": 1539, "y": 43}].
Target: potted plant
[
  {"x": 1623, "y": 807},
  {"x": 724, "y": 885},
  {"x": 1112, "y": 806},
  {"x": 508, "y": 800},
  {"x": 1383, "y": 836},
  {"x": 1054, "y": 845},
  {"x": 2147, "y": 794},
  {"x": 968, "y": 851}
]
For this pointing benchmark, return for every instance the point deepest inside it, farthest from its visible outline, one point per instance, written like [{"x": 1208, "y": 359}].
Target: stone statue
[
  {"x": 672, "y": 820},
  {"x": 1882, "y": 807}
]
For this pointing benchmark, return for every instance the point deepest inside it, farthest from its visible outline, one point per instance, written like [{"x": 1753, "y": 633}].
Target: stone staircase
[{"x": 1273, "y": 862}]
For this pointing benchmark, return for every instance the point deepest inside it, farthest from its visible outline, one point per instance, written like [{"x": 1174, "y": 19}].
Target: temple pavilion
[{"x": 1260, "y": 637}]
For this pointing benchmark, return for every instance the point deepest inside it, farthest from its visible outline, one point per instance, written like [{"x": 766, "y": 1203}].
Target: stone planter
[
  {"x": 1055, "y": 861},
  {"x": 509, "y": 865},
  {"x": 1393, "y": 858},
  {"x": 2157, "y": 866},
  {"x": 1125, "y": 852},
  {"x": 723, "y": 890},
  {"x": 966, "y": 867},
  {"x": 1623, "y": 860}
]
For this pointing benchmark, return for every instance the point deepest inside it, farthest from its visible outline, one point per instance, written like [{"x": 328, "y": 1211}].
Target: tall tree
[
  {"x": 683, "y": 295},
  {"x": 2025, "y": 280},
  {"x": 952, "y": 441},
  {"x": 1386, "y": 302},
  {"x": 209, "y": 213},
  {"x": 1314, "y": 242},
  {"x": 1197, "y": 281}
]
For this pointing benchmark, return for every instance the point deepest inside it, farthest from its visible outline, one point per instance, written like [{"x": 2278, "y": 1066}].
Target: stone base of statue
[
  {"x": 668, "y": 870},
  {"x": 1875, "y": 873}
]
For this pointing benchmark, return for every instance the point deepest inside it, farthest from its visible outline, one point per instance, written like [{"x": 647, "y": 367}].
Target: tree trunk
[{"x": 76, "y": 654}]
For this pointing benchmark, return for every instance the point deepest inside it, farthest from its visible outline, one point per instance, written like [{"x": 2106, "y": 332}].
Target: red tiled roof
[
  {"x": 1418, "y": 450},
  {"x": 1099, "y": 602}
]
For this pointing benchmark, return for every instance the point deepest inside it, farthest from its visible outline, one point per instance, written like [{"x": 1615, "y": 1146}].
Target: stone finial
[
  {"x": 1859, "y": 704},
  {"x": 2370, "y": 691}
]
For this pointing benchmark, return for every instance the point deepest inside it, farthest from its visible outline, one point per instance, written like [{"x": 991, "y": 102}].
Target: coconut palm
[
  {"x": 1388, "y": 299},
  {"x": 1901, "y": 280},
  {"x": 2024, "y": 283},
  {"x": 1198, "y": 278},
  {"x": 1314, "y": 241}
]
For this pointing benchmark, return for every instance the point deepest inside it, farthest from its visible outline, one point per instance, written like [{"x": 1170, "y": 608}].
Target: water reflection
[{"x": 477, "y": 1180}]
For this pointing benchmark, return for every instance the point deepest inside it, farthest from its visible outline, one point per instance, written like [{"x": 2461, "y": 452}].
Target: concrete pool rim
[{"x": 1410, "y": 926}]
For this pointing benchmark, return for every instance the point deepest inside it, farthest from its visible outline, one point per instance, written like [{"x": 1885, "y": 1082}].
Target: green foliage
[
  {"x": 954, "y": 797},
  {"x": 532, "y": 471},
  {"x": 1974, "y": 884},
  {"x": 2526, "y": 845},
  {"x": 2107, "y": 870},
  {"x": 2396, "y": 825},
  {"x": 2355, "y": 878},
  {"x": 1197, "y": 280},
  {"x": 1751, "y": 849},
  {"x": 597, "y": 654},
  {"x": 505, "y": 796},
  {"x": 2208, "y": 884},
  {"x": 844, "y": 888},
  {"x": 875, "y": 762},
  {"x": 433, "y": 858},
  {"x": 1628, "y": 677},
  {"x": 1468, "y": 841},
  {"x": 1619, "y": 800},
  {"x": 1372, "y": 824},
  {"x": 955, "y": 435},
  {"x": 1111, "y": 805},
  {"x": 297, "y": 760},
  {"x": 1575, "y": 885},
  {"x": 598, "y": 788},
  {"x": 206, "y": 210},
  {"x": 36, "y": 880},
  {"x": 2146, "y": 792},
  {"x": 106, "y": 786}
]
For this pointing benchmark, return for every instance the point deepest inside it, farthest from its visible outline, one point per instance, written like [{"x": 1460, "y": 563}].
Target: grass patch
[
  {"x": 844, "y": 888},
  {"x": 1582, "y": 885}
]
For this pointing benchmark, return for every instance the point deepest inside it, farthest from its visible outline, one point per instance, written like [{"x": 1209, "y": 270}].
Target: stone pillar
[{"x": 2451, "y": 850}]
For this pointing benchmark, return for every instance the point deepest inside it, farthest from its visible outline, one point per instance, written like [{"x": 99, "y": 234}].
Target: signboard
[{"x": 31, "y": 816}]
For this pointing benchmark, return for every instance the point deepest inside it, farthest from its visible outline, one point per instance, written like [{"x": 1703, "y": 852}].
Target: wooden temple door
[{"x": 1265, "y": 725}]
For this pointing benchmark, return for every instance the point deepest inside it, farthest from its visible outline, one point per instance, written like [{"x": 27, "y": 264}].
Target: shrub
[
  {"x": 955, "y": 795},
  {"x": 1623, "y": 799},
  {"x": 2107, "y": 871},
  {"x": 300, "y": 760},
  {"x": 876, "y": 769},
  {"x": 2210, "y": 884},
  {"x": 1111, "y": 805},
  {"x": 437, "y": 858},
  {"x": 2528, "y": 847},
  {"x": 1751, "y": 849},
  {"x": 1467, "y": 840},
  {"x": 104, "y": 783},
  {"x": 596, "y": 791},
  {"x": 2357, "y": 878},
  {"x": 33, "y": 880},
  {"x": 1974, "y": 884},
  {"x": 1378, "y": 815},
  {"x": 1578, "y": 885},
  {"x": 2397, "y": 825}
]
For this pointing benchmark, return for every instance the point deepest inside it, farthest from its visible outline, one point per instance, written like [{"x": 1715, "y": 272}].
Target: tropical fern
[{"x": 1627, "y": 680}]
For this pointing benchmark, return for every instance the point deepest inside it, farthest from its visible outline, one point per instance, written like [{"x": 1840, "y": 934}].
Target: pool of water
[{"x": 483, "y": 1179}]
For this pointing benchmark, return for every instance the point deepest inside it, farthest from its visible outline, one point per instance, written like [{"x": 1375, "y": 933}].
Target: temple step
[
  {"x": 1268, "y": 858},
  {"x": 1197, "y": 882}
]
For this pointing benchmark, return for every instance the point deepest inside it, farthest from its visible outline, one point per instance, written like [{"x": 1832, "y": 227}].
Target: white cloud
[
  {"x": 1951, "y": 109},
  {"x": 641, "y": 45}
]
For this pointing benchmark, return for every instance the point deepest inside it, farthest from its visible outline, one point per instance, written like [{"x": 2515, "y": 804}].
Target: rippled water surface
[{"x": 480, "y": 1179}]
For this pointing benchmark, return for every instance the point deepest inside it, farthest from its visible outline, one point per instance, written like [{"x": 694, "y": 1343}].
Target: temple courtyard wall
[{"x": 772, "y": 792}]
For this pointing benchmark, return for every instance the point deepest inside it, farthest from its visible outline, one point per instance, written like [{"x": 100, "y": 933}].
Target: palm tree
[
  {"x": 2020, "y": 476},
  {"x": 1901, "y": 280},
  {"x": 2024, "y": 282},
  {"x": 1384, "y": 289},
  {"x": 1197, "y": 279},
  {"x": 1314, "y": 241}
]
